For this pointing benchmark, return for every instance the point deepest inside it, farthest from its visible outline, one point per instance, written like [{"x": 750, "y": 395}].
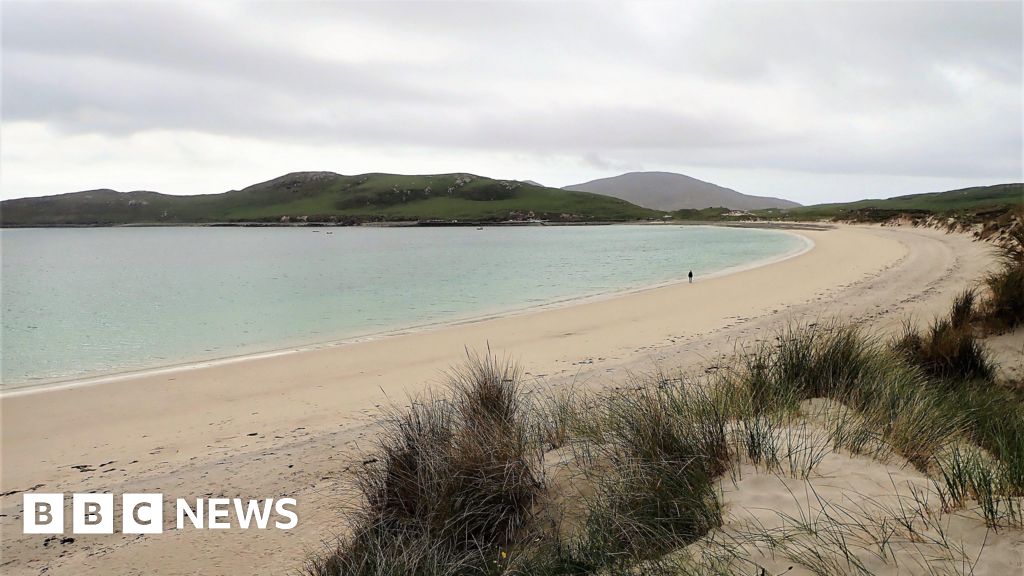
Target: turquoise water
[{"x": 86, "y": 302}]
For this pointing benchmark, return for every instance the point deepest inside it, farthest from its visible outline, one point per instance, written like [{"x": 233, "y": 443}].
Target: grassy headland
[
  {"x": 330, "y": 198},
  {"x": 326, "y": 197},
  {"x": 967, "y": 204}
]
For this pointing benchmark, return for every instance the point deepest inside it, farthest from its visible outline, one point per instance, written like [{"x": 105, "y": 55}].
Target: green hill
[
  {"x": 964, "y": 200},
  {"x": 329, "y": 197}
]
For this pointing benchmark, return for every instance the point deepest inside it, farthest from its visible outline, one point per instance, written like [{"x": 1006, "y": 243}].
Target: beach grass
[
  {"x": 452, "y": 479},
  {"x": 493, "y": 477},
  {"x": 948, "y": 349},
  {"x": 1005, "y": 308}
]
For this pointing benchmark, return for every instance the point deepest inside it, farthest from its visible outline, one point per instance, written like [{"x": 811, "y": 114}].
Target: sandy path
[{"x": 290, "y": 425}]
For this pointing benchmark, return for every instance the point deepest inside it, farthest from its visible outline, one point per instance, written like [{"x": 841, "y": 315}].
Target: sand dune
[{"x": 292, "y": 424}]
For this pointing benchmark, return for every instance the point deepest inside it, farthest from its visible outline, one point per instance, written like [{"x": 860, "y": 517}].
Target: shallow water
[{"x": 87, "y": 302}]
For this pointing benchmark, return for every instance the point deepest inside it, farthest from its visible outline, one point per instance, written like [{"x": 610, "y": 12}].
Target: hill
[
  {"x": 328, "y": 197},
  {"x": 669, "y": 192},
  {"x": 962, "y": 201}
]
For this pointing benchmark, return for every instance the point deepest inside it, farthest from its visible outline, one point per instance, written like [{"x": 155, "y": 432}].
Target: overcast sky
[{"x": 808, "y": 101}]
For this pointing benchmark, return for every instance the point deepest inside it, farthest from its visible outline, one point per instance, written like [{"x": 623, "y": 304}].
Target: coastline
[
  {"x": 51, "y": 385},
  {"x": 414, "y": 223},
  {"x": 292, "y": 424}
]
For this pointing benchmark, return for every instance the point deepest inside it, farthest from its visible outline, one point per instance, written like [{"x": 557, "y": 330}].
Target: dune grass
[
  {"x": 452, "y": 479},
  {"x": 460, "y": 482},
  {"x": 1004, "y": 309},
  {"x": 948, "y": 349},
  {"x": 651, "y": 453},
  {"x": 456, "y": 483}
]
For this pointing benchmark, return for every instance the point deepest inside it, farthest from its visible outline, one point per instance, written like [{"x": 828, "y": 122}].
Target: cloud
[{"x": 557, "y": 92}]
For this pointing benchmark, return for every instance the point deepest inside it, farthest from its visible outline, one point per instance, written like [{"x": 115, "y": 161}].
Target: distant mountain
[
  {"x": 668, "y": 191},
  {"x": 328, "y": 197}
]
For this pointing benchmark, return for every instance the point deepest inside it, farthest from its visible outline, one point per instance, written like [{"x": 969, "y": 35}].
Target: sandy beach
[{"x": 291, "y": 425}]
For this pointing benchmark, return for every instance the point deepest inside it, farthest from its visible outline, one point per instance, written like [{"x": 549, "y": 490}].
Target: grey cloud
[
  {"x": 901, "y": 88},
  {"x": 894, "y": 42},
  {"x": 159, "y": 38}
]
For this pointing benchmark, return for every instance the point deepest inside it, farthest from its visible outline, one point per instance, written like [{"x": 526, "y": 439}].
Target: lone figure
[{"x": 690, "y": 276}]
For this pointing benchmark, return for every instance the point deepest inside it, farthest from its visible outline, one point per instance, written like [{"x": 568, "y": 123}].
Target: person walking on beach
[{"x": 690, "y": 276}]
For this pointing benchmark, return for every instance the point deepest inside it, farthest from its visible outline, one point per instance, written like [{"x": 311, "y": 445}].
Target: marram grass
[{"x": 462, "y": 482}]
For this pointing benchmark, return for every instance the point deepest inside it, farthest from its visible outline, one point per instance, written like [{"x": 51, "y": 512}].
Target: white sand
[{"x": 186, "y": 433}]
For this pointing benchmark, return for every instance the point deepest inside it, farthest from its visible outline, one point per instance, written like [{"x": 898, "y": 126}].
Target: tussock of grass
[
  {"x": 805, "y": 361},
  {"x": 850, "y": 430},
  {"x": 948, "y": 349},
  {"x": 963, "y": 309},
  {"x": 995, "y": 420},
  {"x": 839, "y": 363},
  {"x": 452, "y": 479},
  {"x": 761, "y": 436},
  {"x": 967, "y": 473},
  {"x": 665, "y": 446},
  {"x": 1005, "y": 307}
]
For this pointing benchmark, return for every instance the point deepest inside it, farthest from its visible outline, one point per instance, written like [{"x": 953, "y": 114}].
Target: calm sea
[{"x": 86, "y": 302}]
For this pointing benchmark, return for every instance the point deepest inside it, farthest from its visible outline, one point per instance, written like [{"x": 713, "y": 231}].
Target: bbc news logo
[{"x": 144, "y": 513}]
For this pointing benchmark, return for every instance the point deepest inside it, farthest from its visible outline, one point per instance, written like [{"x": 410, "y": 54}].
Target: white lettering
[
  {"x": 280, "y": 508},
  {"x": 195, "y": 516},
  {"x": 142, "y": 513},
  {"x": 252, "y": 510},
  {"x": 92, "y": 513},
  {"x": 219, "y": 509},
  {"x": 42, "y": 513}
]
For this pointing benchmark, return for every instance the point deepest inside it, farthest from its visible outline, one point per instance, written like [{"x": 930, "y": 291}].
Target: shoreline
[
  {"x": 415, "y": 223},
  {"x": 53, "y": 385}
]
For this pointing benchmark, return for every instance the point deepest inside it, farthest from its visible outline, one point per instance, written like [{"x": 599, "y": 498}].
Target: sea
[{"x": 80, "y": 303}]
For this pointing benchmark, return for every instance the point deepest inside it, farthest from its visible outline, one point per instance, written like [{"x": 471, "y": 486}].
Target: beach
[{"x": 292, "y": 424}]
